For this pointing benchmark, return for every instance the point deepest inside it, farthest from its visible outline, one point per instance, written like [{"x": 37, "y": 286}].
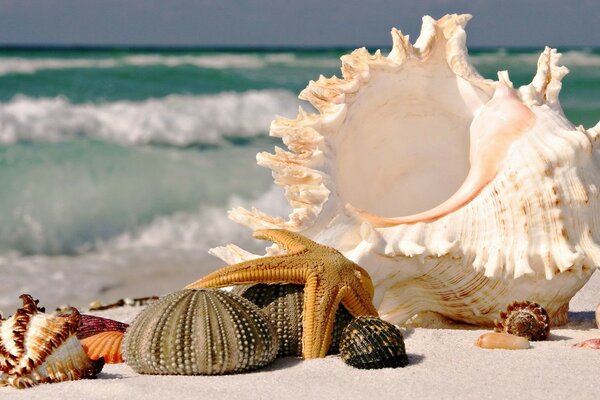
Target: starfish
[{"x": 328, "y": 276}]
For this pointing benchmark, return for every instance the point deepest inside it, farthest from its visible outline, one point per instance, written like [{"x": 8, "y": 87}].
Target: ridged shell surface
[
  {"x": 41, "y": 348},
  {"x": 525, "y": 319},
  {"x": 199, "y": 332},
  {"x": 466, "y": 193},
  {"x": 106, "y": 345},
  {"x": 283, "y": 306},
  {"x": 92, "y": 325},
  {"x": 372, "y": 343}
]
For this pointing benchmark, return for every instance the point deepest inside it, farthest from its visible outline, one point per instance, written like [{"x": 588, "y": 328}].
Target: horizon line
[{"x": 247, "y": 48}]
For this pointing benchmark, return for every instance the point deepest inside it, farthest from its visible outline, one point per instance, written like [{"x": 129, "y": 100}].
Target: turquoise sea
[{"x": 112, "y": 156}]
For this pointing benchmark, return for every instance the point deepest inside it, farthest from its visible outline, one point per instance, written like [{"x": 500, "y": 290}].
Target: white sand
[{"x": 444, "y": 364}]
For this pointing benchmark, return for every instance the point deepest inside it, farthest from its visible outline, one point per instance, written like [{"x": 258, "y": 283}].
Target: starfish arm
[
  {"x": 320, "y": 305},
  {"x": 281, "y": 269},
  {"x": 292, "y": 242},
  {"x": 358, "y": 302}
]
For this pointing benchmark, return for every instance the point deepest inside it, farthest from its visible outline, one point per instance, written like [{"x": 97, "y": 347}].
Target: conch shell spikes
[{"x": 512, "y": 187}]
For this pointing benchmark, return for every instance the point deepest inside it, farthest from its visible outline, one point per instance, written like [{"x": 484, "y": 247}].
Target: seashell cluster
[
  {"x": 199, "y": 332},
  {"x": 474, "y": 192},
  {"x": 525, "y": 319},
  {"x": 41, "y": 348},
  {"x": 502, "y": 340},
  {"x": 371, "y": 343},
  {"x": 283, "y": 305},
  {"x": 101, "y": 338}
]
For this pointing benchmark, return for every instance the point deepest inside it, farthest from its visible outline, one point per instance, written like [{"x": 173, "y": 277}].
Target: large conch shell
[{"x": 509, "y": 186}]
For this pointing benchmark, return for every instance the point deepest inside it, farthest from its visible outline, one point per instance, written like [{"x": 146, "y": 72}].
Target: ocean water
[{"x": 120, "y": 165}]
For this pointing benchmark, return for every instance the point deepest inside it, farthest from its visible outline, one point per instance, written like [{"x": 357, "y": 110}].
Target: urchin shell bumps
[
  {"x": 371, "y": 343},
  {"x": 41, "y": 348},
  {"x": 525, "y": 319},
  {"x": 199, "y": 332},
  {"x": 283, "y": 305}
]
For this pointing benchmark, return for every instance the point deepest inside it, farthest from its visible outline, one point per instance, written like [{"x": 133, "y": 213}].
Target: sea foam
[
  {"x": 177, "y": 120},
  {"x": 19, "y": 65}
]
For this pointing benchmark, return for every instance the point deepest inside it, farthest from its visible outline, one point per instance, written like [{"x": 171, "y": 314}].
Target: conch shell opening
[{"x": 500, "y": 122}]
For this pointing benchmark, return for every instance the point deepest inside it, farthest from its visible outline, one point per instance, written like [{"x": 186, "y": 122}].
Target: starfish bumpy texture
[{"x": 328, "y": 276}]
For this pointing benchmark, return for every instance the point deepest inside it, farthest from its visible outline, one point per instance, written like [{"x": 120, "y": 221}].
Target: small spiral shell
[
  {"x": 283, "y": 305},
  {"x": 199, "y": 332},
  {"x": 525, "y": 319},
  {"x": 371, "y": 343}
]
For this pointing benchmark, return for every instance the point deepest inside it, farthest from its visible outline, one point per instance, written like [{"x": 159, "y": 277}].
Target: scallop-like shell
[
  {"x": 199, "y": 332},
  {"x": 96, "y": 343},
  {"x": 371, "y": 343},
  {"x": 502, "y": 340},
  {"x": 465, "y": 193},
  {"x": 41, "y": 348},
  {"x": 106, "y": 345},
  {"x": 283, "y": 305},
  {"x": 526, "y": 319}
]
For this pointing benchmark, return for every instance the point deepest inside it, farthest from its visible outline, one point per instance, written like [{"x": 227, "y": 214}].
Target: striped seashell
[
  {"x": 41, "y": 348},
  {"x": 283, "y": 305},
  {"x": 525, "y": 319},
  {"x": 105, "y": 345},
  {"x": 199, "y": 332},
  {"x": 371, "y": 343}
]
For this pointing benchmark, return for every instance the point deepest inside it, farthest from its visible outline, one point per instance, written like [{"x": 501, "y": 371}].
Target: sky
[{"x": 310, "y": 23}]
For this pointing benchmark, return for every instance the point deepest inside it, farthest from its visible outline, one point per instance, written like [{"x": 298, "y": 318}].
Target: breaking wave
[{"x": 178, "y": 120}]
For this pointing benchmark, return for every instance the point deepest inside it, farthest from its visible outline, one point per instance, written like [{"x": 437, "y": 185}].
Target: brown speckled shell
[
  {"x": 525, "y": 319},
  {"x": 199, "y": 332},
  {"x": 371, "y": 343},
  {"x": 41, "y": 348},
  {"x": 283, "y": 305}
]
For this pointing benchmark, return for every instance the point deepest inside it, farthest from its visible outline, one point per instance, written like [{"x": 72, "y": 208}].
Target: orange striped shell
[{"x": 104, "y": 344}]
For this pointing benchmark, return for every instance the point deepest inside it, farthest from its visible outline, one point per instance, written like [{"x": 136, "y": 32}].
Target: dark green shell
[
  {"x": 283, "y": 304},
  {"x": 371, "y": 343},
  {"x": 199, "y": 332}
]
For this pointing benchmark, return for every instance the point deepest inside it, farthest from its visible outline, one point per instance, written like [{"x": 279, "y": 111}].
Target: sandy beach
[{"x": 444, "y": 364}]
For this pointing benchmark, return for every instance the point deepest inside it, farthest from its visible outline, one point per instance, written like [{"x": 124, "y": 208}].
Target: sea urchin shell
[
  {"x": 41, "y": 348},
  {"x": 525, "y": 319},
  {"x": 199, "y": 332},
  {"x": 371, "y": 343}
]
